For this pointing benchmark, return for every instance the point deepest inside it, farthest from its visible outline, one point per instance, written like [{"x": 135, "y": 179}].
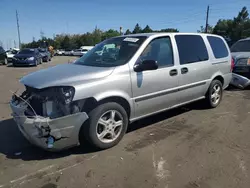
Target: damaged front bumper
[
  {"x": 37, "y": 129},
  {"x": 240, "y": 81}
]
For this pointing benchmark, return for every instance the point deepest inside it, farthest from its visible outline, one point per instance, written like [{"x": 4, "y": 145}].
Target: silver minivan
[{"x": 96, "y": 97}]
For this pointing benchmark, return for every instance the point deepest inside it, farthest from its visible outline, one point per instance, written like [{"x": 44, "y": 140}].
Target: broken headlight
[{"x": 67, "y": 93}]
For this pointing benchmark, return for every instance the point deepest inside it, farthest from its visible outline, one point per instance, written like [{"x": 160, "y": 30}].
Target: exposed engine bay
[
  {"x": 48, "y": 117},
  {"x": 52, "y": 102}
]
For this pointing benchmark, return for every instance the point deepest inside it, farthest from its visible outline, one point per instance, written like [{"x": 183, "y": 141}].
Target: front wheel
[
  {"x": 106, "y": 126},
  {"x": 5, "y": 61},
  {"x": 214, "y": 94}
]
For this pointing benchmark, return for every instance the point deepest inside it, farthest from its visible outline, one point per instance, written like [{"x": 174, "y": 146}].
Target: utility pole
[
  {"x": 206, "y": 28},
  {"x": 18, "y": 31}
]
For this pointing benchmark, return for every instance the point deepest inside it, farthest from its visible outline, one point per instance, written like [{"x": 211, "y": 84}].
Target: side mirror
[{"x": 146, "y": 65}]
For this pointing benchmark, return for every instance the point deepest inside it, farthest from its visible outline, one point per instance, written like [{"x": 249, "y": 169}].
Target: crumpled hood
[
  {"x": 64, "y": 75},
  {"x": 239, "y": 55}
]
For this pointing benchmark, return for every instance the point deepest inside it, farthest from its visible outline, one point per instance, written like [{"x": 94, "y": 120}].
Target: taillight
[
  {"x": 248, "y": 61},
  {"x": 232, "y": 64}
]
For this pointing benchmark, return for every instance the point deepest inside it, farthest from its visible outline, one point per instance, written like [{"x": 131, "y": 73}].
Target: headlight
[
  {"x": 67, "y": 93},
  {"x": 31, "y": 58}
]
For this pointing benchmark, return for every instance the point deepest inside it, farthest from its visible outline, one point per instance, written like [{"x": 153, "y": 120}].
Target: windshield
[
  {"x": 27, "y": 51},
  {"x": 241, "y": 46},
  {"x": 112, "y": 52},
  {"x": 41, "y": 50}
]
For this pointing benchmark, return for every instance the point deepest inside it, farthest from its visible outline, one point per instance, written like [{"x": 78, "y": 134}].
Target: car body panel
[
  {"x": 65, "y": 130},
  {"x": 65, "y": 74},
  {"x": 22, "y": 59},
  {"x": 146, "y": 92},
  {"x": 2, "y": 56}
]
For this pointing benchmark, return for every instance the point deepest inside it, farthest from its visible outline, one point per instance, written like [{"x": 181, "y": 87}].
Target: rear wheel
[
  {"x": 106, "y": 125},
  {"x": 214, "y": 94}
]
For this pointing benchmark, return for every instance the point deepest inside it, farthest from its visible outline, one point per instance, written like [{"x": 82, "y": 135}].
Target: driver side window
[{"x": 159, "y": 50}]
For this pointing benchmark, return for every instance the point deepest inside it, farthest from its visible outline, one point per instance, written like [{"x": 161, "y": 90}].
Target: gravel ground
[{"x": 189, "y": 147}]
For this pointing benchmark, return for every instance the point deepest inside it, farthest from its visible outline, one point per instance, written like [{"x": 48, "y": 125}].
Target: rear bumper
[
  {"x": 65, "y": 130},
  {"x": 242, "y": 70},
  {"x": 240, "y": 81}
]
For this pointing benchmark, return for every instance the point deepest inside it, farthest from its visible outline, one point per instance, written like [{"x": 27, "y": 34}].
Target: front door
[{"x": 156, "y": 90}]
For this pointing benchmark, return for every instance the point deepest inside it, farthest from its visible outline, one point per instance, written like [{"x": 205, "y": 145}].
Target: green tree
[
  {"x": 236, "y": 28},
  {"x": 137, "y": 29},
  {"x": 147, "y": 29},
  {"x": 110, "y": 33},
  {"x": 168, "y": 30},
  {"x": 65, "y": 44},
  {"x": 203, "y": 29},
  {"x": 128, "y": 32}
]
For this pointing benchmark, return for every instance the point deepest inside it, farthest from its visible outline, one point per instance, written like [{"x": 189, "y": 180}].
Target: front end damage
[{"x": 48, "y": 118}]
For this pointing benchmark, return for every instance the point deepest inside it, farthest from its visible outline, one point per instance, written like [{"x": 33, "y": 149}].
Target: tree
[
  {"x": 137, "y": 29},
  {"x": 74, "y": 41},
  {"x": 236, "y": 28},
  {"x": 203, "y": 29},
  {"x": 147, "y": 29},
  {"x": 168, "y": 30},
  {"x": 110, "y": 33},
  {"x": 127, "y": 32},
  {"x": 66, "y": 43}
]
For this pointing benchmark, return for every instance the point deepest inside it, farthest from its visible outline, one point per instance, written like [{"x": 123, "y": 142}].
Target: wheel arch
[{"x": 92, "y": 102}]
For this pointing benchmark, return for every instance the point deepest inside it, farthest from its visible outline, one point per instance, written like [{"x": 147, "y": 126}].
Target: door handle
[
  {"x": 173, "y": 72},
  {"x": 184, "y": 70}
]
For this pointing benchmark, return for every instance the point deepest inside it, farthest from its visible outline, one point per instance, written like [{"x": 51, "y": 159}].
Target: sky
[{"x": 79, "y": 16}]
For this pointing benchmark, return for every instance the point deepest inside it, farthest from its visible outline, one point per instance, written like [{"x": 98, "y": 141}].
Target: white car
[
  {"x": 80, "y": 52},
  {"x": 10, "y": 54},
  {"x": 60, "y": 52}
]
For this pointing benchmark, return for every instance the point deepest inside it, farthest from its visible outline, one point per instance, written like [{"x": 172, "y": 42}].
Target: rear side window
[
  {"x": 191, "y": 48},
  {"x": 218, "y": 46}
]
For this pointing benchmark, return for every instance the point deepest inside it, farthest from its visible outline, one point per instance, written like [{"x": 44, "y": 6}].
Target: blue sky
[{"x": 79, "y": 16}]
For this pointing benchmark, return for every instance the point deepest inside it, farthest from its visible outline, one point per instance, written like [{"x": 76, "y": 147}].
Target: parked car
[
  {"x": 3, "y": 56},
  {"x": 68, "y": 52},
  {"x": 241, "y": 55},
  {"x": 46, "y": 55},
  {"x": 10, "y": 54},
  {"x": 60, "y": 52},
  {"x": 97, "y": 96},
  {"x": 80, "y": 52},
  {"x": 27, "y": 56}
]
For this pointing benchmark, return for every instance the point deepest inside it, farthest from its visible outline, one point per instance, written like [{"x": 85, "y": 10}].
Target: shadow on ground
[{"x": 14, "y": 146}]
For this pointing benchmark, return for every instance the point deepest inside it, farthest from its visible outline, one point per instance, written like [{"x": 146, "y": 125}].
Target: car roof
[
  {"x": 245, "y": 39},
  {"x": 164, "y": 33}
]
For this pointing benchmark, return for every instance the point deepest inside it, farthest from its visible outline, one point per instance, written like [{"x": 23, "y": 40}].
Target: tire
[
  {"x": 41, "y": 61},
  {"x": 47, "y": 59},
  {"x": 36, "y": 63},
  {"x": 5, "y": 61},
  {"x": 210, "y": 100},
  {"x": 91, "y": 130}
]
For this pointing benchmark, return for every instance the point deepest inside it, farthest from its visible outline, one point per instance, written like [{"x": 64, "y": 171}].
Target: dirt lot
[{"x": 189, "y": 147}]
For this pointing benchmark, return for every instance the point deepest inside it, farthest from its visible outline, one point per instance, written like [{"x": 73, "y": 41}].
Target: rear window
[
  {"x": 218, "y": 46},
  {"x": 191, "y": 48}
]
